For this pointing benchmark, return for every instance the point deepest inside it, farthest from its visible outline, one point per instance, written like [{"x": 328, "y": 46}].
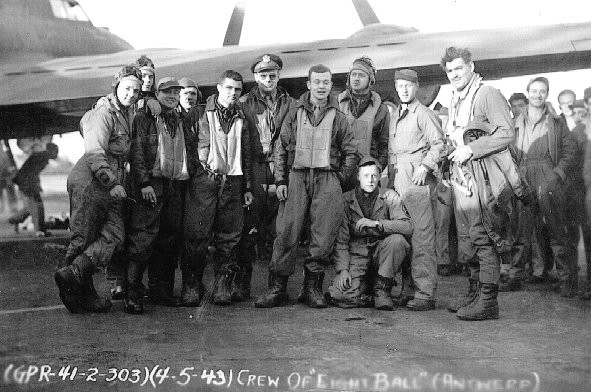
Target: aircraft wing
[{"x": 50, "y": 96}]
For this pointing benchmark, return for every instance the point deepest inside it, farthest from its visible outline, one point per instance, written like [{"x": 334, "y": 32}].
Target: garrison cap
[
  {"x": 168, "y": 82},
  {"x": 266, "y": 62},
  {"x": 406, "y": 74},
  {"x": 368, "y": 160},
  {"x": 187, "y": 82}
]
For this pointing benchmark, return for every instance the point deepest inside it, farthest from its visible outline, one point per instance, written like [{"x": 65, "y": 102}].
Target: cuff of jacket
[
  {"x": 282, "y": 182},
  {"x": 341, "y": 266},
  {"x": 561, "y": 173}
]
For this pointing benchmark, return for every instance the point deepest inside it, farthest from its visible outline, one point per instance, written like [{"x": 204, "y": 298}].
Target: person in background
[
  {"x": 577, "y": 208},
  {"x": 546, "y": 153},
  {"x": 566, "y": 100},
  {"x": 29, "y": 184},
  {"x": 190, "y": 96},
  {"x": 518, "y": 102}
]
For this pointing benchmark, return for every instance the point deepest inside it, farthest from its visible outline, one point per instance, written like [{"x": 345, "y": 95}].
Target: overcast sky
[{"x": 193, "y": 24}]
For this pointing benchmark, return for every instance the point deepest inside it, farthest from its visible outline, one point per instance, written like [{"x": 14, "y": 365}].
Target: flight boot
[
  {"x": 381, "y": 293},
  {"x": 568, "y": 288},
  {"x": 276, "y": 294},
  {"x": 92, "y": 302},
  {"x": 190, "y": 293},
  {"x": 484, "y": 306},
  {"x": 466, "y": 299},
  {"x": 313, "y": 289},
  {"x": 302, "y": 298},
  {"x": 241, "y": 284},
  {"x": 134, "y": 297},
  {"x": 162, "y": 295},
  {"x": 223, "y": 291}
]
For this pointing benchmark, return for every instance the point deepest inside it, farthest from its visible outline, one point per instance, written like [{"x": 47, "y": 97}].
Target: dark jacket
[
  {"x": 343, "y": 150},
  {"x": 253, "y": 105},
  {"x": 561, "y": 144},
  {"x": 27, "y": 177},
  {"x": 144, "y": 147},
  {"x": 579, "y": 180},
  {"x": 394, "y": 219},
  {"x": 245, "y": 145}
]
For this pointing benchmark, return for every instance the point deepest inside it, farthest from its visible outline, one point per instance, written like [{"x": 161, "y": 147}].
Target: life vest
[
  {"x": 313, "y": 143},
  {"x": 225, "y": 153},
  {"x": 361, "y": 127}
]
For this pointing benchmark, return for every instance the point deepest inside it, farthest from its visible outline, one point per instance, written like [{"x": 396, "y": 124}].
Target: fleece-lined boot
[
  {"x": 381, "y": 293},
  {"x": 484, "y": 306},
  {"x": 466, "y": 299},
  {"x": 276, "y": 294},
  {"x": 313, "y": 290}
]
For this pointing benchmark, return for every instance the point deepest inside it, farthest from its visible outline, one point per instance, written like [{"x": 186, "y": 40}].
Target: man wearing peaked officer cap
[
  {"x": 415, "y": 145},
  {"x": 266, "y": 62},
  {"x": 265, "y": 107},
  {"x": 365, "y": 112},
  {"x": 373, "y": 229}
]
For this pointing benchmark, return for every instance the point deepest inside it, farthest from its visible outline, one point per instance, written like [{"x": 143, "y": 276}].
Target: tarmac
[{"x": 541, "y": 342}]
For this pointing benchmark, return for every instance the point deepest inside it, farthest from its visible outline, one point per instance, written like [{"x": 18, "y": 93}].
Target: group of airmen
[{"x": 356, "y": 180}]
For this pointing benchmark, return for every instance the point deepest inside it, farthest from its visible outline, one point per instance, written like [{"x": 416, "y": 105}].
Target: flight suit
[
  {"x": 416, "y": 139},
  {"x": 321, "y": 153},
  {"x": 546, "y": 155},
  {"x": 96, "y": 221}
]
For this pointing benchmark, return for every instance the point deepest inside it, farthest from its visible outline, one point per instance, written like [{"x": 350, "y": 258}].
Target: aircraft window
[{"x": 68, "y": 9}]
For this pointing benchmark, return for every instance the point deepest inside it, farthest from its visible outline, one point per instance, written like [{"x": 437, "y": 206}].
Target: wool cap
[{"x": 366, "y": 65}]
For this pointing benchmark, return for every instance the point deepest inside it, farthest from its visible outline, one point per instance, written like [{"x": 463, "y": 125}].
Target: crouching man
[{"x": 373, "y": 230}]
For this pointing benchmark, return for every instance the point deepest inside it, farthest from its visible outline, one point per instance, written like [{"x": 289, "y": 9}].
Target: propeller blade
[
  {"x": 234, "y": 29},
  {"x": 365, "y": 12}
]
